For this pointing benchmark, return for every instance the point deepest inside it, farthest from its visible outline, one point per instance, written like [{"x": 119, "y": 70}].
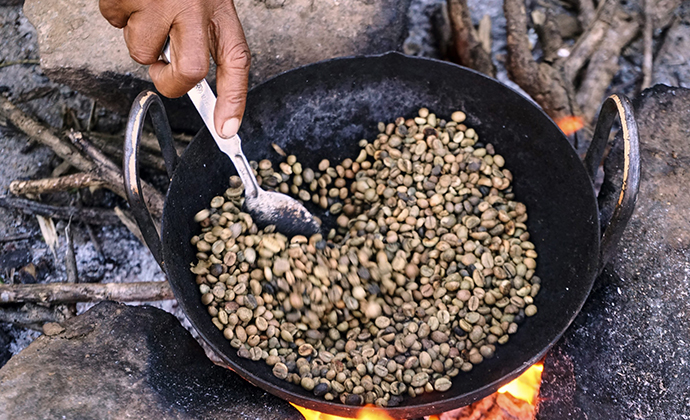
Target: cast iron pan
[{"x": 322, "y": 111}]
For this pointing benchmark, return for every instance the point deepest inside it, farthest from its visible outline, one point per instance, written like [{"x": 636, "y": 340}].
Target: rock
[
  {"x": 80, "y": 49},
  {"x": 118, "y": 361},
  {"x": 629, "y": 345}
]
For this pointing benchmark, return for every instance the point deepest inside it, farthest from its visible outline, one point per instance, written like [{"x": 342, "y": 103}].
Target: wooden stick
[
  {"x": 15, "y": 238},
  {"x": 48, "y": 185},
  {"x": 541, "y": 81},
  {"x": 603, "y": 66},
  {"x": 468, "y": 47},
  {"x": 80, "y": 154},
  {"x": 116, "y": 152},
  {"x": 590, "y": 40},
  {"x": 587, "y": 13},
  {"x": 44, "y": 135},
  {"x": 112, "y": 175},
  {"x": 86, "y": 292},
  {"x": 93, "y": 216},
  {"x": 647, "y": 36}
]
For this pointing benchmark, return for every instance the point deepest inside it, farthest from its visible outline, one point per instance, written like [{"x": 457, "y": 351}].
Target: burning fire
[
  {"x": 366, "y": 413},
  {"x": 570, "y": 124},
  {"x": 525, "y": 387}
]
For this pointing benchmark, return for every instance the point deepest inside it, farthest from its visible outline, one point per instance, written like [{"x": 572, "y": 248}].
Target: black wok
[{"x": 322, "y": 111}]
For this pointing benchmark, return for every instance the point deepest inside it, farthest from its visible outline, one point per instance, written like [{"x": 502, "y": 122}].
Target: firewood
[
  {"x": 467, "y": 45},
  {"x": 603, "y": 65},
  {"x": 590, "y": 40},
  {"x": 85, "y": 292},
  {"x": 647, "y": 36},
  {"x": 80, "y": 154},
  {"x": 88, "y": 215},
  {"x": 540, "y": 80},
  {"x": 49, "y": 185}
]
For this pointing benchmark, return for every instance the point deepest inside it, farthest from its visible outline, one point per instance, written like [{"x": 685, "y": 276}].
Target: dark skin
[{"x": 196, "y": 28}]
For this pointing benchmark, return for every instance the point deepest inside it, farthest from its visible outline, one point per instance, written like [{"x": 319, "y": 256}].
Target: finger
[
  {"x": 231, "y": 54},
  {"x": 189, "y": 46},
  {"x": 145, "y": 35},
  {"x": 116, "y": 12}
]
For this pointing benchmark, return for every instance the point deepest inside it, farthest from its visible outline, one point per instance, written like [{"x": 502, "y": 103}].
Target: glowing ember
[
  {"x": 366, "y": 413},
  {"x": 526, "y": 387},
  {"x": 570, "y": 124}
]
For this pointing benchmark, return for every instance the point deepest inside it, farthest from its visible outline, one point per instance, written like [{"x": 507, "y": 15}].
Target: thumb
[{"x": 233, "y": 59}]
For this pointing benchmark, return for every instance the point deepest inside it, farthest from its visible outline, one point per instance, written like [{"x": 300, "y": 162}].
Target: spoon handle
[{"x": 204, "y": 100}]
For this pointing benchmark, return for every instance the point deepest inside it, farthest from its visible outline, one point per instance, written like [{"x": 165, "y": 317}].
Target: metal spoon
[{"x": 266, "y": 208}]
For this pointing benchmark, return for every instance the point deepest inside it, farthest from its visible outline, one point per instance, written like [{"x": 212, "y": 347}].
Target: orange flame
[
  {"x": 526, "y": 387},
  {"x": 570, "y": 124},
  {"x": 368, "y": 412}
]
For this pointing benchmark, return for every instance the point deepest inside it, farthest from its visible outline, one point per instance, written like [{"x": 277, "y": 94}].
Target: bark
[
  {"x": 87, "y": 215},
  {"x": 85, "y": 292},
  {"x": 467, "y": 46}
]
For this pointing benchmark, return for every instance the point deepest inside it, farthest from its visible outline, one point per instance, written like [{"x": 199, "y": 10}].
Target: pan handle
[
  {"x": 616, "y": 105},
  {"x": 148, "y": 102}
]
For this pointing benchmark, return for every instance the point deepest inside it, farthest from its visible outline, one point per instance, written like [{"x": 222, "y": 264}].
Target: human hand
[{"x": 196, "y": 27}]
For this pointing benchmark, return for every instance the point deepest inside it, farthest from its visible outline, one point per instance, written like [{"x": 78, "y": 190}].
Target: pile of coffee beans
[{"x": 428, "y": 268}]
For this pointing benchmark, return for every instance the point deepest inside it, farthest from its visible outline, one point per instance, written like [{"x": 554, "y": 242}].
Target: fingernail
[{"x": 230, "y": 127}]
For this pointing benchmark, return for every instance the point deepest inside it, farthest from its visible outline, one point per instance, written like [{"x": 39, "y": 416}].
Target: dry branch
[
  {"x": 647, "y": 34},
  {"x": 112, "y": 175},
  {"x": 86, "y": 292},
  {"x": 116, "y": 152},
  {"x": 49, "y": 185},
  {"x": 590, "y": 40},
  {"x": 587, "y": 13},
  {"x": 603, "y": 66},
  {"x": 541, "y": 81},
  {"x": 468, "y": 47},
  {"x": 80, "y": 154},
  {"x": 92, "y": 216}
]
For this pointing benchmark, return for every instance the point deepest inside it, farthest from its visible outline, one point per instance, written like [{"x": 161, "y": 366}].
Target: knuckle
[
  {"x": 239, "y": 56},
  {"x": 191, "y": 72},
  {"x": 142, "y": 55}
]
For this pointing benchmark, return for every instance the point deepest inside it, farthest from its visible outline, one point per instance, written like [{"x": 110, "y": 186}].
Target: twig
[
  {"x": 80, "y": 154},
  {"x": 15, "y": 238},
  {"x": 70, "y": 259},
  {"x": 468, "y": 47},
  {"x": 603, "y": 66},
  {"x": 70, "y": 265},
  {"x": 86, "y": 292},
  {"x": 88, "y": 215},
  {"x": 112, "y": 175},
  {"x": 61, "y": 169},
  {"x": 94, "y": 241},
  {"x": 541, "y": 81},
  {"x": 587, "y": 12},
  {"x": 18, "y": 62},
  {"x": 44, "y": 135},
  {"x": 116, "y": 152},
  {"x": 30, "y": 315},
  {"x": 590, "y": 40},
  {"x": 48, "y": 185},
  {"x": 549, "y": 35},
  {"x": 130, "y": 224},
  {"x": 647, "y": 34}
]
